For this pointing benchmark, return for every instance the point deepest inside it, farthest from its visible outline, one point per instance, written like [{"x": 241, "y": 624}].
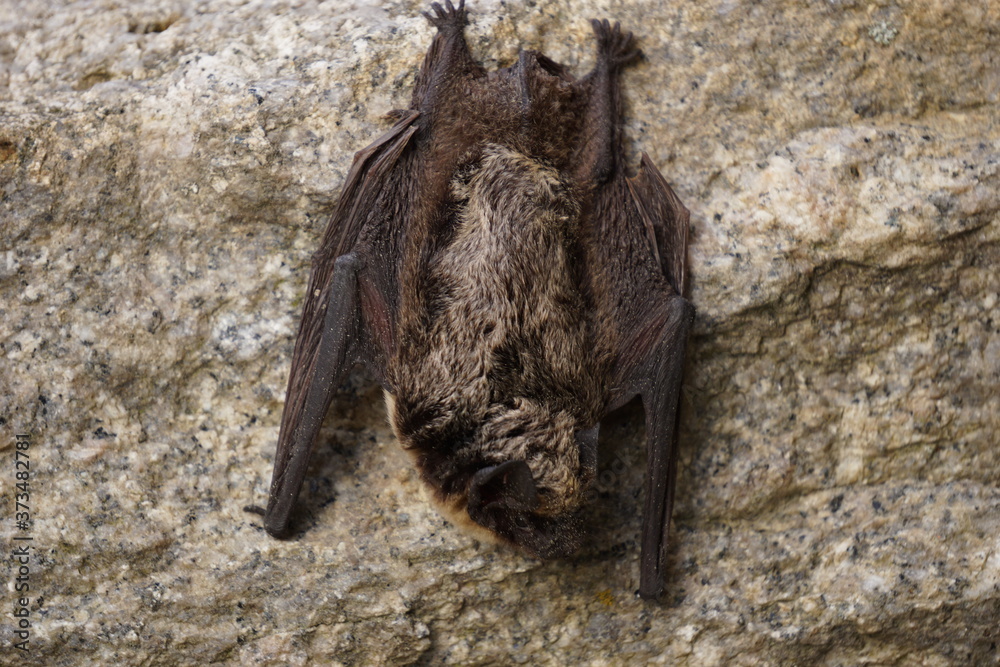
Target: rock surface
[{"x": 165, "y": 172}]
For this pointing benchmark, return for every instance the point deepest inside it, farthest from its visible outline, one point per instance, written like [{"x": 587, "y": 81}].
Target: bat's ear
[{"x": 508, "y": 486}]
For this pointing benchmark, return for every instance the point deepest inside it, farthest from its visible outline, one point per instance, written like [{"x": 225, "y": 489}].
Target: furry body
[
  {"x": 498, "y": 365},
  {"x": 508, "y": 284}
]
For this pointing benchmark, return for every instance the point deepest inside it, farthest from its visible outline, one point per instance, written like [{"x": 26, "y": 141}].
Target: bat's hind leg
[
  {"x": 600, "y": 155},
  {"x": 447, "y": 60}
]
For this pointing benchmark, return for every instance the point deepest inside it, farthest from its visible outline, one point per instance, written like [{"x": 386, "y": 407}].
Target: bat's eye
[{"x": 521, "y": 522}]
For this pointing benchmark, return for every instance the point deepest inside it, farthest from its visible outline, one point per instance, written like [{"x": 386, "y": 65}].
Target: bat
[{"x": 508, "y": 283}]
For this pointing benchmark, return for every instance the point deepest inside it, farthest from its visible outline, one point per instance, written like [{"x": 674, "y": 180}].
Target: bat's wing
[
  {"x": 352, "y": 303},
  {"x": 344, "y": 320},
  {"x": 637, "y": 256},
  {"x": 666, "y": 221},
  {"x": 635, "y": 249}
]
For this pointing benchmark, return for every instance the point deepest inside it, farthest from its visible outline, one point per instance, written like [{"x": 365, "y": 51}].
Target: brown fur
[{"x": 503, "y": 283}]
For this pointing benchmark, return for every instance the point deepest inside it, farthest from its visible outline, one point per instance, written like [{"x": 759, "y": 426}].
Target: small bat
[{"x": 508, "y": 284}]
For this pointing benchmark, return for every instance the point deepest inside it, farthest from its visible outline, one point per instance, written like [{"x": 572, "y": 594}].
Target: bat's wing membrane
[
  {"x": 333, "y": 334},
  {"x": 350, "y": 309},
  {"x": 639, "y": 245},
  {"x": 667, "y": 219}
]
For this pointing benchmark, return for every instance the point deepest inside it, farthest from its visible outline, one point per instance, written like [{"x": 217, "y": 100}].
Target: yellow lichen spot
[{"x": 606, "y": 598}]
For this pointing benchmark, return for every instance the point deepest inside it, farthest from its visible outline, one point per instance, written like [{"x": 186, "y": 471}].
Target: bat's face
[
  {"x": 505, "y": 500},
  {"x": 517, "y": 477}
]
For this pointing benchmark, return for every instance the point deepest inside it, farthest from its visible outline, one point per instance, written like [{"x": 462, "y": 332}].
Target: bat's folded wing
[
  {"x": 663, "y": 213},
  {"x": 637, "y": 255},
  {"x": 333, "y": 334}
]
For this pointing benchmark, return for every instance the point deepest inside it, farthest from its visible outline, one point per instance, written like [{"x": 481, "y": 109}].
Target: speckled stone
[{"x": 165, "y": 173}]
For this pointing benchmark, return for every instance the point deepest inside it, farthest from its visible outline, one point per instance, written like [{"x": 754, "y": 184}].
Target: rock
[{"x": 166, "y": 172}]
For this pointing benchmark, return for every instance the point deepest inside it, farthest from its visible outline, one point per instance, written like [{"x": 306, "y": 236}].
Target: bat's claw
[
  {"x": 614, "y": 46},
  {"x": 449, "y": 16}
]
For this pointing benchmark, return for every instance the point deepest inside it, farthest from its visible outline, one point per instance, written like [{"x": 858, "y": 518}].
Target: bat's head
[
  {"x": 505, "y": 500},
  {"x": 520, "y": 470}
]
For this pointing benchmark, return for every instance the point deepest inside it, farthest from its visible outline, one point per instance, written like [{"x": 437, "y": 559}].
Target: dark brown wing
[
  {"x": 665, "y": 219},
  {"x": 636, "y": 257},
  {"x": 352, "y": 303},
  {"x": 638, "y": 248},
  {"x": 333, "y": 325},
  {"x": 635, "y": 249}
]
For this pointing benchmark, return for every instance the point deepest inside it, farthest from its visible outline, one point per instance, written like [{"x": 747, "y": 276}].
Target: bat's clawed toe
[
  {"x": 613, "y": 46},
  {"x": 448, "y": 16}
]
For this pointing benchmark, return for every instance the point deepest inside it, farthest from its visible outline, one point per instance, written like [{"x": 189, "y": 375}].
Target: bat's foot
[
  {"x": 448, "y": 17},
  {"x": 614, "y": 48}
]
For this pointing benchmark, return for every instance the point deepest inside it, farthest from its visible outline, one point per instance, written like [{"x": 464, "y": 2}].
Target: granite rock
[{"x": 165, "y": 173}]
